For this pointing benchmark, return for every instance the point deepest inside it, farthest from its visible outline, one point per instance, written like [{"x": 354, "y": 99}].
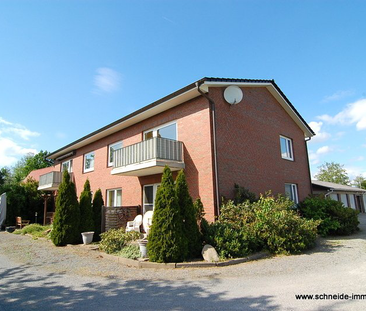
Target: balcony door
[
  {"x": 168, "y": 131},
  {"x": 149, "y": 196}
]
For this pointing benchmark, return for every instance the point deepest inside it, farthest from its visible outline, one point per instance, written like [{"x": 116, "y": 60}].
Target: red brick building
[{"x": 221, "y": 131}]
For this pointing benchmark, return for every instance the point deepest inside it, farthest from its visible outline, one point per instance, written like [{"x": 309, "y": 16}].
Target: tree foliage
[
  {"x": 167, "y": 241},
  {"x": 30, "y": 162},
  {"x": 97, "y": 213},
  {"x": 24, "y": 200},
  {"x": 333, "y": 172},
  {"x": 360, "y": 182},
  {"x": 86, "y": 209},
  {"x": 67, "y": 215},
  {"x": 189, "y": 215}
]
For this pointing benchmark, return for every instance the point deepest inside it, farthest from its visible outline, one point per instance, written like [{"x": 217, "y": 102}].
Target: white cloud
[
  {"x": 107, "y": 80},
  {"x": 11, "y": 150},
  {"x": 354, "y": 171},
  {"x": 337, "y": 96},
  {"x": 314, "y": 157},
  {"x": 320, "y": 135},
  {"x": 354, "y": 113},
  {"x": 60, "y": 135},
  {"x": 18, "y": 129}
]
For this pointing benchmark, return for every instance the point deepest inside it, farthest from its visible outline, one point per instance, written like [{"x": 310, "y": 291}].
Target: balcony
[
  {"x": 148, "y": 157},
  {"x": 50, "y": 181}
]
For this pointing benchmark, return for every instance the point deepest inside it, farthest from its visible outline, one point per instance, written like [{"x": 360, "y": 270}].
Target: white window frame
[
  {"x": 289, "y": 148},
  {"x": 155, "y": 190},
  {"x": 69, "y": 165},
  {"x": 155, "y": 129},
  {"x": 110, "y": 163},
  {"x": 114, "y": 196},
  {"x": 91, "y": 168},
  {"x": 294, "y": 195}
]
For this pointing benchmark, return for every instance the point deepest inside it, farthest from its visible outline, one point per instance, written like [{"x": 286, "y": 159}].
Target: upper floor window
[
  {"x": 66, "y": 166},
  {"x": 286, "y": 148},
  {"x": 111, "y": 148},
  {"x": 89, "y": 162},
  {"x": 291, "y": 192},
  {"x": 168, "y": 131}
]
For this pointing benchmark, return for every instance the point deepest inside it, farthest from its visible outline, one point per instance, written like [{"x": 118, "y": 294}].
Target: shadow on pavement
[{"x": 22, "y": 290}]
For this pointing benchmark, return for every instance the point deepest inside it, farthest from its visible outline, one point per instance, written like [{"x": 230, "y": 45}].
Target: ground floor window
[
  {"x": 114, "y": 197},
  {"x": 291, "y": 192},
  {"x": 149, "y": 195}
]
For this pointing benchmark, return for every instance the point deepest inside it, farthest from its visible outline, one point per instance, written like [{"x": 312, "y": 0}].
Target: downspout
[
  {"x": 307, "y": 156},
  {"x": 214, "y": 147},
  {"x": 330, "y": 191}
]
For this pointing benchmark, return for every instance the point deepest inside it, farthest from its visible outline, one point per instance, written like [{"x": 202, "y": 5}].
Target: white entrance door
[{"x": 149, "y": 197}]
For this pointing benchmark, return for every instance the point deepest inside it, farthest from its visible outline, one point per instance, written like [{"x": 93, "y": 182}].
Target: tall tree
[
  {"x": 86, "y": 210},
  {"x": 97, "y": 212},
  {"x": 66, "y": 225},
  {"x": 187, "y": 209},
  {"x": 166, "y": 240},
  {"x": 360, "y": 182},
  {"x": 29, "y": 163},
  {"x": 333, "y": 172}
]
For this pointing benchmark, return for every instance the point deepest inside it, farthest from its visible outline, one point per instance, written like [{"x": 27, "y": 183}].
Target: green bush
[
  {"x": 115, "y": 240},
  {"x": 270, "y": 223},
  {"x": 281, "y": 229},
  {"x": 36, "y": 230},
  {"x": 189, "y": 214},
  {"x": 66, "y": 225},
  {"x": 167, "y": 241},
  {"x": 335, "y": 218},
  {"x": 97, "y": 212},
  {"x": 242, "y": 194},
  {"x": 86, "y": 209},
  {"x": 130, "y": 251}
]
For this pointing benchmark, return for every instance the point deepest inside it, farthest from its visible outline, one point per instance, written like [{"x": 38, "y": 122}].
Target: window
[
  {"x": 149, "y": 197},
  {"x": 66, "y": 166},
  {"x": 291, "y": 192},
  {"x": 168, "y": 131},
  {"x": 286, "y": 148},
  {"x": 89, "y": 162},
  {"x": 114, "y": 197},
  {"x": 112, "y": 148}
]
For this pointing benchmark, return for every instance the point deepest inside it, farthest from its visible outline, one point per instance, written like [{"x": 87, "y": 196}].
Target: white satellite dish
[{"x": 233, "y": 94}]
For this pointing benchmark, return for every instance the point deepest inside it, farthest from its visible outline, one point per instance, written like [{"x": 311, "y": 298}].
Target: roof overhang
[{"x": 179, "y": 97}]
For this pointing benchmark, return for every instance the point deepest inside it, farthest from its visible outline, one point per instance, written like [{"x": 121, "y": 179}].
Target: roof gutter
[{"x": 214, "y": 146}]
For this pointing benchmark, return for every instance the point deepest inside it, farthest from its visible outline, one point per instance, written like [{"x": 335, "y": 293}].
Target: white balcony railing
[
  {"x": 154, "y": 152},
  {"x": 50, "y": 181}
]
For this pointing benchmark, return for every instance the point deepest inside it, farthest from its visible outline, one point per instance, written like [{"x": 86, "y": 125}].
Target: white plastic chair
[
  {"x": 135, "y": 224},
  {"x": 147, "y": 221}
]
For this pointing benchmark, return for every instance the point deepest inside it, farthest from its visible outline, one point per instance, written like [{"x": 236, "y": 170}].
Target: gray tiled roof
[{"x": 337, "y": 187}]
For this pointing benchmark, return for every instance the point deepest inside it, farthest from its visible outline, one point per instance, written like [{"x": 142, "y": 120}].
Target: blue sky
[{"x": 70, "y": 67}]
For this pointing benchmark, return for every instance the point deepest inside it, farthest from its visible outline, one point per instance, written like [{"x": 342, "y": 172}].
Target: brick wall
[
  {"x": 193, "y": 130},
  {"x": 248, "y": 143}
]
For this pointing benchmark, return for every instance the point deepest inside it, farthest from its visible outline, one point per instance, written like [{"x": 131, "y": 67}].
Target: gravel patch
[{"x": 336, "y": 253}]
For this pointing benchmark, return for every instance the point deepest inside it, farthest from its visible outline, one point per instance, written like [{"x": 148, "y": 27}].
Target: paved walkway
[{"x": 36, "y": 275}]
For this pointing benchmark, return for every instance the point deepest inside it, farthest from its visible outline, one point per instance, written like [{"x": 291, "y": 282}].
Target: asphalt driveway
[{"x": 37, "y": 275}]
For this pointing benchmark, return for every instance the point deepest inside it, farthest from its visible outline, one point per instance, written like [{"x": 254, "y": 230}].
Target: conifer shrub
[
  {"x": 86, "y": 209},
  {"x": 97, "y": 213},
  {"x": 189, "y": 215},
  {"x": 66, "y": 224},
  {"x": 199, "y": 209},
  {"x": 166, "y": 241},
  {"x": 334, "y": 217}
]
